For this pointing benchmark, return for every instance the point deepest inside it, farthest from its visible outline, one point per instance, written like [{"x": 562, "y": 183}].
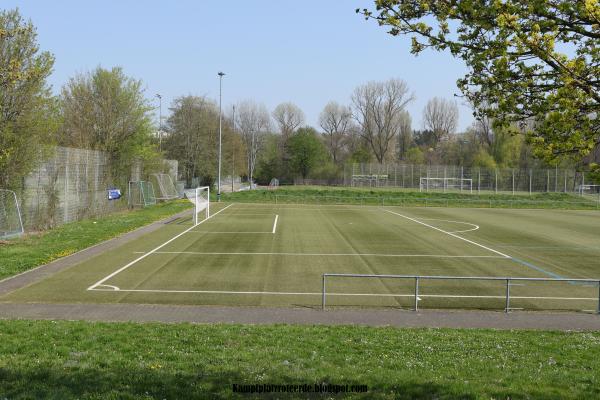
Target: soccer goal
[
  {"x": 445, "y": 184},
  {"x": 274, "y": 184},
  {"x": 11, "y": 224},
  {"x": 140, "y": 194},
  {"x": 200, "y": 198},
  {"x": 588, "y": 189},
  {"x": 166, "y": 187}
]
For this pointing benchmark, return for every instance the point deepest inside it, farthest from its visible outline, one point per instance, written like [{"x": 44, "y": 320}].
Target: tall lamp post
[
  {"x": 159, "y": 122},
  {"x": 221, "y": 74}
]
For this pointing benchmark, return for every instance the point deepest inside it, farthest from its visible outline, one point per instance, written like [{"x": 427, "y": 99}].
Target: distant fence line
[
  {"x": 505, "y": 180},
  {"x": 72, "y": 184}
]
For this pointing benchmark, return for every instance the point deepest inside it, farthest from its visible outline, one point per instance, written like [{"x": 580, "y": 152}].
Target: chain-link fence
[
  {"x": 500, "y": 180},
  {"x": 72, "y": 184}
]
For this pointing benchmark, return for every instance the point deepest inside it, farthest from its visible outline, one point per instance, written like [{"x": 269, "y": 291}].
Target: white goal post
[
  {"x": 11, "y": 224},
  {"x": 588, "y": 189},
  {"x": 200, "y": 198},
  {"x": 426, "y": 184}
]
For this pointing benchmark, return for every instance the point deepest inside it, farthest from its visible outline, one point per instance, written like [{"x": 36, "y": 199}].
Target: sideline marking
[
  {"x": 275, "y": 223},
  {"x": 101, "y": 281},
  {"x": 449, "y": 233},
  {"x": 315, "y": 254}
]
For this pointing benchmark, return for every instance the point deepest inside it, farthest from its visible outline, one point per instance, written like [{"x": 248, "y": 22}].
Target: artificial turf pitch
[{"x": 275, "y": 255}]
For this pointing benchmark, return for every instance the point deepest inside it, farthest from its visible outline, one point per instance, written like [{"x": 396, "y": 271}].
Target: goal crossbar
[{"x": 427, "y": 183}]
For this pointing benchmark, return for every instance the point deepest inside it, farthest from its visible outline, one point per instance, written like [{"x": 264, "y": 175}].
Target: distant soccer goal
[
  {"x": 11, "y": 224},
  {"x": 588, "y": 189},
  {"x": 200, "y": 198},
  {"x": 274, "y": 184},
  {"x": 445, "y": 184},
  {"x": 166, "y": 187},
  {"x": 140, "y": 194}
]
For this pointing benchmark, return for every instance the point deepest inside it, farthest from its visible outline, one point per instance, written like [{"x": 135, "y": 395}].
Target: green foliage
[
  {"x": 270, "y": 166},
  {"x": 106, "y": 110},
  {"x": 362, "y": 154},
  {"x": 484, "y": 160},
  {"x": 529, "y": 61},
  {"x": 21, "y": 254},
  {"x": 28, "y": 112},
  {"x": 415, "y": 155},
  {"x": 306, "y": 150},
  {"x": 191, "y": 137}
]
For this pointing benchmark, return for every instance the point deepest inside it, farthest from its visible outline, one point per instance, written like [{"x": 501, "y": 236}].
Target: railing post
[
  {"x": 416, "y": 293},
  {"x": 507, "y": 307},
  {"x": 323, "y": 298},
  {"x": 598, "y": 310}
]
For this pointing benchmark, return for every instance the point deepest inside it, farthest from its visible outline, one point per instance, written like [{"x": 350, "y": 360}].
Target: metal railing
[{"x": 418, "y": 278}]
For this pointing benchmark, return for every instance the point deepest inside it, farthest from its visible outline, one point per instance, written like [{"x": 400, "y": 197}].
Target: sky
[{"x": 308, "y": 52}]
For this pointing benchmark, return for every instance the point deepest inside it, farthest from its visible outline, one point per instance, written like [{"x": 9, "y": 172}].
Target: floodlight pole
[
  {"x": 159, "y": 122},
  {"x": 233, "y": 150},
  {"x": 221, "y": 74}
]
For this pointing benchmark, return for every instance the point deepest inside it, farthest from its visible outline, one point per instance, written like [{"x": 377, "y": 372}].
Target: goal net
[
  {"x": 200, "y": 198},
  {"x": 445, "y": 184},
  {"x": 11, "y": 224},
  {"x": 166, "y": 187},
  {"x": 274, "y": 184},
  {"x": 590, "y": 190},
  {"x": 140, "y": 194}
]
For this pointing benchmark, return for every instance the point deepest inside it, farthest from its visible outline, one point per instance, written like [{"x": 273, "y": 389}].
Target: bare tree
[
  {"x": 378, "y": 107},
  {"x": 441, "y": 117},
  {"x": 288, "y": 117},
  {"x": 335, "y": 120},
  {"x": 253, "y": 122}
]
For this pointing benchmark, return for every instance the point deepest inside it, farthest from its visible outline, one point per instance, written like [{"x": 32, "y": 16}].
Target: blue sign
[{"x": 114, "y": 194}]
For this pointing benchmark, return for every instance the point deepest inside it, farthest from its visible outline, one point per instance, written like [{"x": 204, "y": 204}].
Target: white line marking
[
  {"x": 225, "y": 232},
  {"x": 449, "y": 233},
  {"x": 343, "y": 294},
  {"x": 316, "y": 254},
  {"x": 456, "y": 222},
  {"x": 101, "y": 281},
  {"x": 275, "y": 223}
]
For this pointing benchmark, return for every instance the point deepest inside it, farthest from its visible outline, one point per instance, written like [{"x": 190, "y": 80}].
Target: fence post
[
  {"x": 598, "y": 310},
  {"x": 416, "y": 293},
  {"x": 513, "y": 182},
  {"x": 507, "y": 307},
  {"x": 323, "y": 298},
  {"x": 496, "y": 178}
]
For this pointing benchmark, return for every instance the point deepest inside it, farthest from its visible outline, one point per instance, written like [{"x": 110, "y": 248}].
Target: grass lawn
[
  {"x": 405, "y": 197},
  {"x": 21, "y": 254},
  {"x": 47, "y": 359}
]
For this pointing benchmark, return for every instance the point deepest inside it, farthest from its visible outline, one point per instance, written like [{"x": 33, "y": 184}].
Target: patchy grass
[
  {"x": 404, "y": 197},
  {"x": 47, "y": 359},
  {"x": 21, "y": 254}
]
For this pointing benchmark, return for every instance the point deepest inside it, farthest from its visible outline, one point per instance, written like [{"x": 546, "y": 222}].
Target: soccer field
[{"x": 275, "y": 255}]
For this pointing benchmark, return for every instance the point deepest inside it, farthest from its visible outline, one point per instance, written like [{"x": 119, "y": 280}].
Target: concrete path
[{"x": 305, "y": 316}]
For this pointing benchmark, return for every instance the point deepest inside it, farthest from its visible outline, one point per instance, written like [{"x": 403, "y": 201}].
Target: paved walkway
[
  {"x": 266, "y": 315},
  {"x": 305, "y": 316}
]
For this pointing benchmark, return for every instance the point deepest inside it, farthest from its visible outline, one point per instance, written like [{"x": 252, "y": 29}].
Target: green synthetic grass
[
  {"x": 235, "y": 259},
  {"x": 62, "y": 360},
  {"x": 403, "y": 197},
  {"x": 35, "y": 249}
]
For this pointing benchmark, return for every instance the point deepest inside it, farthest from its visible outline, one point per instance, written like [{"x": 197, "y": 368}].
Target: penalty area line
[
  {"x": 315, "y": 254},
  {"x": 448, "y": 233},
  {"x": 101, "y": 281}
]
